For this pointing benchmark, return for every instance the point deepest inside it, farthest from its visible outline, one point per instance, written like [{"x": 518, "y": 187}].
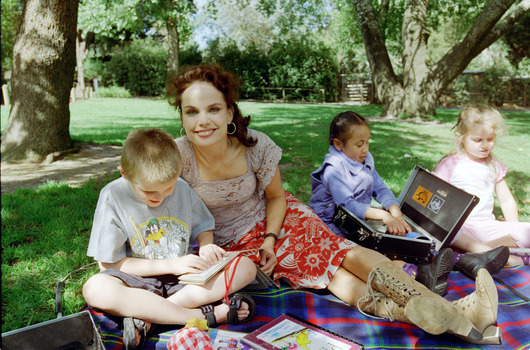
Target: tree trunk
[
  {"x": 82, "y": 44},
  {"x": 423, "y": 82},
  {"x": 386, "y": 85},
  {"x": 173, "y": 44},
  {"x": 43, "y": 73}
]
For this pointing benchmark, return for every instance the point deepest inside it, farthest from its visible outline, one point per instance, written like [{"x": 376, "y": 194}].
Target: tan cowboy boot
[
  {"x": 481, "y": 308},
  {"x": 424, "y": 308},
  {"x": 377, "y": 305}
]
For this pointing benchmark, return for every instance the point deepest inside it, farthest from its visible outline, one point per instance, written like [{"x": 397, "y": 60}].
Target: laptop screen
[{"x": 437, "y": 206}]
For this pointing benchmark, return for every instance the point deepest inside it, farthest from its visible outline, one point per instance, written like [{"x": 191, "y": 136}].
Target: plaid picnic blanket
[{"x": 324, "y": 309}]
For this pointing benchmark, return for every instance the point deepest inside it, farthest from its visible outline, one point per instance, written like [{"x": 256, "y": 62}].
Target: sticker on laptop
[
  {"x": 435, "y": 204},
  {"x": 422, "y": 196}
]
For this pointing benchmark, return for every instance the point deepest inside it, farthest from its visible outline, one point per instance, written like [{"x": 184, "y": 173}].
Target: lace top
[{"x": 237, "y": 204}]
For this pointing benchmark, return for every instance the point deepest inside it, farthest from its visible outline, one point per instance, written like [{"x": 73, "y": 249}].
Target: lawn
[{"x": 45, "y": 231}]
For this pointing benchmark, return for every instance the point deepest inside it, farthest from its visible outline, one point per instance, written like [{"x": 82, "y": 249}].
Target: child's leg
[
  {"x": 468, "y": 243},
  {"x": 112, "y": 295},
  {"x": 193, "y": 296},
  {"x": 493, "y": 230}
]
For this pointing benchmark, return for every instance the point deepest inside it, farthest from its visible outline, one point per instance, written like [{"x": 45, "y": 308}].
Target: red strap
[{"x": 229, "y": 283}]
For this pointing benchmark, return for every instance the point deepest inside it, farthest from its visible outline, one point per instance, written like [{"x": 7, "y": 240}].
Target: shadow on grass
[{"x": 45, "y": 233}]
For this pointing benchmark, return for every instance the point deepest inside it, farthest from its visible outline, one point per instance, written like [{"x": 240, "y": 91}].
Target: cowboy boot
[
  {"x": 481, "y": 308},
  {"x": 377, "y": 305},
  {"x": 424, "y": 308}
]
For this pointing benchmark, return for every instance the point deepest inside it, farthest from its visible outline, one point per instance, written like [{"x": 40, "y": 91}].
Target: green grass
[{"x": 45, "y": 231}]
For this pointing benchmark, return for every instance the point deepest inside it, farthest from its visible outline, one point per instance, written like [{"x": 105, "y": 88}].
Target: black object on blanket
[{"x": 431, "y": 206}]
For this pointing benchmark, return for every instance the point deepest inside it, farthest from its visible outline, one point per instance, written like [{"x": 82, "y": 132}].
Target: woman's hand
[
  {"x": 212, "y": 253},
  {"x": 268, "y": 258}
]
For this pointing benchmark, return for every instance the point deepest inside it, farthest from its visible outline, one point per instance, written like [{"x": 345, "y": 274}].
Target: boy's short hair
[{"x": 150, "y": 155}]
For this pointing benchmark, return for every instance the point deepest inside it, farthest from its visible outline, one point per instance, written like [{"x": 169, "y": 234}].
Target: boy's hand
[
  {"x": 190, "y": 263},
  {"x": 212, "y": 253}
]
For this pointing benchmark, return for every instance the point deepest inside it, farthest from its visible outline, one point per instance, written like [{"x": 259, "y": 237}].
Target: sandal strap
[
  {"x": 524, "y": 257},
  {"x": 235, "y": 304},
  {"x": 208, "y": 312}
]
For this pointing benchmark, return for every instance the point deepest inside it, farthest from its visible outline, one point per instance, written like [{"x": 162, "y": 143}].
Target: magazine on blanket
[
  {"x": 290, "y": 332},
  {"x": 204, "y": 276}
]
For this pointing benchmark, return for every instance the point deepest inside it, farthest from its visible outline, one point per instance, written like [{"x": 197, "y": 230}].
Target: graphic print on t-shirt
[{"x": 160, "y": 238}]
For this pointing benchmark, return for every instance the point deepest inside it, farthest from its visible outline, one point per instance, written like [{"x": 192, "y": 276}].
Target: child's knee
[
  {"x": 247, "y": 269},
  {"x": 95, "y": 290}
]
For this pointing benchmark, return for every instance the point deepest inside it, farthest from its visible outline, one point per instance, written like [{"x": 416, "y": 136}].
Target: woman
[{"x": 235, "y": 171}]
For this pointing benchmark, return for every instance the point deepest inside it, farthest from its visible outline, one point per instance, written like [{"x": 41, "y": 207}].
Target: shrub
[
  {"x": 113, "y": 91},
  {"x": 305, "y": 67},
  {"x": 139, "y": 66}
]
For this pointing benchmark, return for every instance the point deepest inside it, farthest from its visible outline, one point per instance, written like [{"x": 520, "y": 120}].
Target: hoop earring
[
  {"x": 233, "y": 132},
  {"x": 181, "y": 132}
]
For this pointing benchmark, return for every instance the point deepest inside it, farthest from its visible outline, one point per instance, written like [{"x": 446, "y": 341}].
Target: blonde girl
[{"x": 472, "y": 167}]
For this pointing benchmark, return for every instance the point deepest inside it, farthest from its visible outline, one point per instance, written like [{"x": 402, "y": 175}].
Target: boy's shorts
[{"x": 164, "y": 285}]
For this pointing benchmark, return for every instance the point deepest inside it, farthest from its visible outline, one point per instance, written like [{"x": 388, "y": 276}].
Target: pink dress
[
  {"x": 308, "y": 252},
  {"x": 480, "y": 178}
]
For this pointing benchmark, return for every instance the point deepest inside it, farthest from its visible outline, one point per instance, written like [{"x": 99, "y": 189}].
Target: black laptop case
[{"x": 431, "y": 206}]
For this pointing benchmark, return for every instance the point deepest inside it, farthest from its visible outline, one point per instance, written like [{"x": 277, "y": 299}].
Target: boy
[{"x": 142, "y": 230}]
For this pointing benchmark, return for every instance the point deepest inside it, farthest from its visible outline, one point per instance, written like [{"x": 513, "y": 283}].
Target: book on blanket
[
  {"x": 290, "y": 332},
  {"x": 204, "y": 276}
]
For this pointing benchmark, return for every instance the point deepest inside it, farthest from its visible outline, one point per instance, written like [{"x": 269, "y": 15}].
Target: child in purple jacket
[{"x": 348, "y": 178}]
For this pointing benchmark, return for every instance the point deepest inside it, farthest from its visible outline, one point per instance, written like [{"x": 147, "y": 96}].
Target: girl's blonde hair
[
  {"x": 150, "y": 155},
  {"x": 477, "y": 115}
]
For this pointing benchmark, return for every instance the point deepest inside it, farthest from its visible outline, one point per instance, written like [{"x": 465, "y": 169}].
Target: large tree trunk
[
  {"x": 386, "y": 85},
  {"x": 43, "y": 73},
  {"x": 423, "y": 82}
]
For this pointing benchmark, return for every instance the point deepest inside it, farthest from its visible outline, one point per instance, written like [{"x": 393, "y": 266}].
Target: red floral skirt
[{"x": 308, "y": 252}]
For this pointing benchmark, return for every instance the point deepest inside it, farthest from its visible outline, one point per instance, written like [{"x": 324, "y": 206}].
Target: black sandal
[{"x": 234, "y": 305}]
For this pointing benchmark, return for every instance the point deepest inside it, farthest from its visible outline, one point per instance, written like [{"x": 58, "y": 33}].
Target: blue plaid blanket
[{"x": 325, "y": 310}]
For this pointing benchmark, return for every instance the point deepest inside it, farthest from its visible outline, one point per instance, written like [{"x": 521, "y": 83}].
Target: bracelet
[{"x": 270, "y": 234}]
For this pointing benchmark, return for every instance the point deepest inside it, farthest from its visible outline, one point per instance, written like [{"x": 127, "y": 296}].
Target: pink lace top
[{"x": 236, "y": 204}]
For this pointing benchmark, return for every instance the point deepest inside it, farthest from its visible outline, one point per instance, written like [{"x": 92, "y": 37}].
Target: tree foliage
[
  {"x": 518, "y": 41},
  {"x": 11, "y": 17}
]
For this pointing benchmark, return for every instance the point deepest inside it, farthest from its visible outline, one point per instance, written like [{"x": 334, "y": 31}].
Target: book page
[
  {"x": 204, "y": 276},
  {"x": 290, "y": 335}
]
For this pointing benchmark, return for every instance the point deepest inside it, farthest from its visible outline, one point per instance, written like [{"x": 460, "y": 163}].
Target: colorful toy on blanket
[{"x": 192, "y": 337}]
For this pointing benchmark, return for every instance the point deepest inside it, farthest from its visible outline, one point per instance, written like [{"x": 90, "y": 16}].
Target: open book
[
  {"x": 290, "y": 332},
  {"x": 204, "y": 276}
]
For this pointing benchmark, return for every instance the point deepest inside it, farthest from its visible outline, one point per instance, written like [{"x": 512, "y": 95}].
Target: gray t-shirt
[{"x": 124, "y": 226}]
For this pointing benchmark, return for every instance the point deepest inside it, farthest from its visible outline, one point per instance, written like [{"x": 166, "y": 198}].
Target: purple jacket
[{"x": 345, "y": 182}]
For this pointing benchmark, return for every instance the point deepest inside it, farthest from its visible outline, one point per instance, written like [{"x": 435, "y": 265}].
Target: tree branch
[{"x": 457, "y": 59}]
